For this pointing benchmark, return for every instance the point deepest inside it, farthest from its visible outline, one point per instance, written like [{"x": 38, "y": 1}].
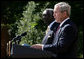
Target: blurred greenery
[
  {"x": 21, "y": 16},
  {"x": 80, "y": 44},
  {"x": 28, "y": 23}
]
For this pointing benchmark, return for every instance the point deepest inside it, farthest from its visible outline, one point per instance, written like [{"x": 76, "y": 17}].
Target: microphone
[
  {"x": 23, "y": 34},
  {"x": 19, "y": 37}
]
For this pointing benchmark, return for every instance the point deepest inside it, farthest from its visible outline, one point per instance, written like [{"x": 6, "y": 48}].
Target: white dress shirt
[{"x": 63, "y": 21}]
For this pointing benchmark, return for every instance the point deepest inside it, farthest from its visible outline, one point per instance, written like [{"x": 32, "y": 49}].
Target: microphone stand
[
  {"x": 14, "y": 41},
  {"x": 18, "y": 39},
  {"x": 10, "y": 45}
]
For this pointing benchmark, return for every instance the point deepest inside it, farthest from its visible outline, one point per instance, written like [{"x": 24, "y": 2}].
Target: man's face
[
  {"x": 57, "y": 14},
  {"x": 45, "y": 16}
]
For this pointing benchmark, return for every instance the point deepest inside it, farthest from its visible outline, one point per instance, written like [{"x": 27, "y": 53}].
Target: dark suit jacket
[
  {"x": 51, "y": 36},
  {"x": 64, "y": 42}
]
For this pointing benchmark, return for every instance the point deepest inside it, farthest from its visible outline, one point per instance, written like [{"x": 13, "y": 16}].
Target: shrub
[{"x": 28, "y": 23}]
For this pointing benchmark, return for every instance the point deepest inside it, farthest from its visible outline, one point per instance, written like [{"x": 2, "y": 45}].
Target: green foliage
[
  {"x": 28, "y": 23},
  {"x": 80, "y": 44}
]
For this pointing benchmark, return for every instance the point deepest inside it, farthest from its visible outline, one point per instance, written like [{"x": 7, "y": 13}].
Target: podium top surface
[{"x": 24, "y": 51}]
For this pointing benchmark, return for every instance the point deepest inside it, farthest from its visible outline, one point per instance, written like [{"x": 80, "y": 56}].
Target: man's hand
[{"x": 37, "y": 46}]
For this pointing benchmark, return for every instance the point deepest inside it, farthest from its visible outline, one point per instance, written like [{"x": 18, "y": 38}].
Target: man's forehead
[{"x": 56, "y": 8}]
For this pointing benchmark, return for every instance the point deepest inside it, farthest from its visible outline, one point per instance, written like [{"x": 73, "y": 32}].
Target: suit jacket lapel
[{"x": 57, "y": 35}]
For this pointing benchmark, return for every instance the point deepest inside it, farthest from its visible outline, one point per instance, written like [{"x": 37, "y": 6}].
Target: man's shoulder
[
  {"x": 51, "y": 23},
  {"x": 69, "y": 22}
]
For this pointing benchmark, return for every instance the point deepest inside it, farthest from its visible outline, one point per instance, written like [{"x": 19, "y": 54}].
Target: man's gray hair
[{"x": 64, "y": 7}]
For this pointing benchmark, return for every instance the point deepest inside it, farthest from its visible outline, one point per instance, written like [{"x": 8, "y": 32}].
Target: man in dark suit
[
  {"x": 64, "y": 43},
  {"x": 50, "y": 21}
]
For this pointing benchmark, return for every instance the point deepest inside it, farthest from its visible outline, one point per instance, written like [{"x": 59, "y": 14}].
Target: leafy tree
[{"x": 29, "y": 23}]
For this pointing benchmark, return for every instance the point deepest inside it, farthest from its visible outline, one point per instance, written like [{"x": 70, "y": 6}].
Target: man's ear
[{"x": 64, "y": 13}]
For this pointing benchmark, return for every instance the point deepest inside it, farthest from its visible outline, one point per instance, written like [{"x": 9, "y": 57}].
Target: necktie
[
  {"x": 57, "y": 29},
  {"x": 56, "y": 35}
]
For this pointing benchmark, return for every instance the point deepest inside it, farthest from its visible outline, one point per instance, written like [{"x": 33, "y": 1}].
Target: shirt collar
[{"x": 63, "y": 21}]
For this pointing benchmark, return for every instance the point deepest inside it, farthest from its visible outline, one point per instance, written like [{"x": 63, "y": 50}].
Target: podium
[
  {"x": 18, "y": 51},
  {"x": 14, "y": 50}
]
